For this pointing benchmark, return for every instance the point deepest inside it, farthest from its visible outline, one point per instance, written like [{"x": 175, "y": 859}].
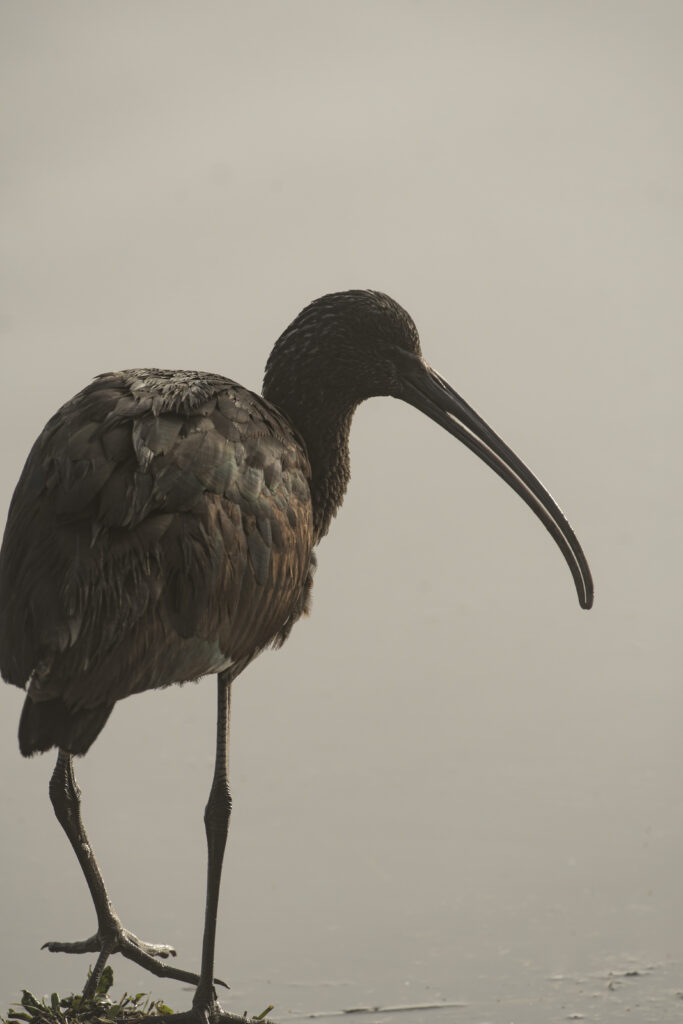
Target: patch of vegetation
[
  {"x": 101, "y": 1009},
  {"x": 75, "y": 1009}
]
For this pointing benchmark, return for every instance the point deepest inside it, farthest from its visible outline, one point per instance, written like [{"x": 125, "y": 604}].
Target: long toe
[
  {"x": 96, "y": 943},
  {"x": 133, "y": 949},
  {"x": 152, "y": 948},
  {"x": 91, "y": 945},
  {"x": 115, "y": 940}
]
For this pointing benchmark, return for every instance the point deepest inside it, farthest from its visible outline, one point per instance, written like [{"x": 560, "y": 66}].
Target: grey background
[{"x": 451, "y": 784}]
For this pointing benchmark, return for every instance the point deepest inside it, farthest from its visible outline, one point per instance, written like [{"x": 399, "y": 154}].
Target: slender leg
[
  {"x": 216, "y": 821},
  {"x": 111, "y": 936},
  {"x": 65, "y": 795},
  {"x": 205, "y": 1006}
]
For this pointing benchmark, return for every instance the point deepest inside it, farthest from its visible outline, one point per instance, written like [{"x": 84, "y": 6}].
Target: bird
[{"x": 165, "y": 527}]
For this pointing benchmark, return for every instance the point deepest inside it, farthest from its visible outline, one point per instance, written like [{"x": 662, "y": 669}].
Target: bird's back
[{"x": 161, "y": 530}]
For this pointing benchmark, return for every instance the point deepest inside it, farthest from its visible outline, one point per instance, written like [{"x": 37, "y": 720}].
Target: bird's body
[
  {"x": 164, "y": 528},
  {"x": 171, "y": 533}
]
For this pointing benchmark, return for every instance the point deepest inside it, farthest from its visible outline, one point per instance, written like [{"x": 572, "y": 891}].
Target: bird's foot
[
  {"x": 96, "y": 943},
  {"x": 203, "y": 1012},
  {"x": 117, "y": 939}
]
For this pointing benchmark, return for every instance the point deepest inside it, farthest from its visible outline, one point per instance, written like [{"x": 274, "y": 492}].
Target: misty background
[{"x": 451, "y": 784}]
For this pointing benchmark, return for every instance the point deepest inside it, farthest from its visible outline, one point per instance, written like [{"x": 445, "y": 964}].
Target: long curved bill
[{"x": 432, "y": 395}]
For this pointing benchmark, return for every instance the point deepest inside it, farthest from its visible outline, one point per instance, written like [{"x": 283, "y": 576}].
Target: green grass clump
[
  {"x": 101, "y": 1009},
  {"x": 75, "y": 1009}
]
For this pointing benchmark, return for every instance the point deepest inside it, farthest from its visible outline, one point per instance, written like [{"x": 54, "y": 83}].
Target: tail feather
[{"x": 49, "y": 723}]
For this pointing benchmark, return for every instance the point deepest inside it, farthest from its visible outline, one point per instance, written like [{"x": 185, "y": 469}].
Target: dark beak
[{"x": 430, "y": 393}]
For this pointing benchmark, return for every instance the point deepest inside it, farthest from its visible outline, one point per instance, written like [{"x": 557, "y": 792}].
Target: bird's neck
[
  {"x": 323, "y": 421},
  {"x": 327, "y": 442}
]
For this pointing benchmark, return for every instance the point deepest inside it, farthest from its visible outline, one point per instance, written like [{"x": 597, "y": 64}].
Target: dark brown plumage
[
  {"x": 161, "y": 531},
  {"x": 164, "y": 529}
]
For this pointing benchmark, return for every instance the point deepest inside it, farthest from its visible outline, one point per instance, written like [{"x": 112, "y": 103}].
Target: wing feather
[{"x": 161, "y": 529}]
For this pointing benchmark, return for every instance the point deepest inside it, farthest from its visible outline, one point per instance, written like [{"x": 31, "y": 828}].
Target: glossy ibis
[{"x": 164, "y": 529}]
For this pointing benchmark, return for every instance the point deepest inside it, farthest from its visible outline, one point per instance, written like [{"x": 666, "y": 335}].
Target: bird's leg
[
  {"x": 205, "y": 1006},
  {"x": 111, "y": 936},
  {"x": 65, "y": 795},
  {"x": 216, "y": 820}
]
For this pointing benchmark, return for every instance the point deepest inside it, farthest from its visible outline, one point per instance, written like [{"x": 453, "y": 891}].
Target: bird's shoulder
[{"x": 137, "y": 442}]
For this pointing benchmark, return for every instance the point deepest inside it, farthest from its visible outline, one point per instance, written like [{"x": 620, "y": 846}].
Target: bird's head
[
  {"x": 354, "y": 345},
  {"x": 349, "y": 346}
]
